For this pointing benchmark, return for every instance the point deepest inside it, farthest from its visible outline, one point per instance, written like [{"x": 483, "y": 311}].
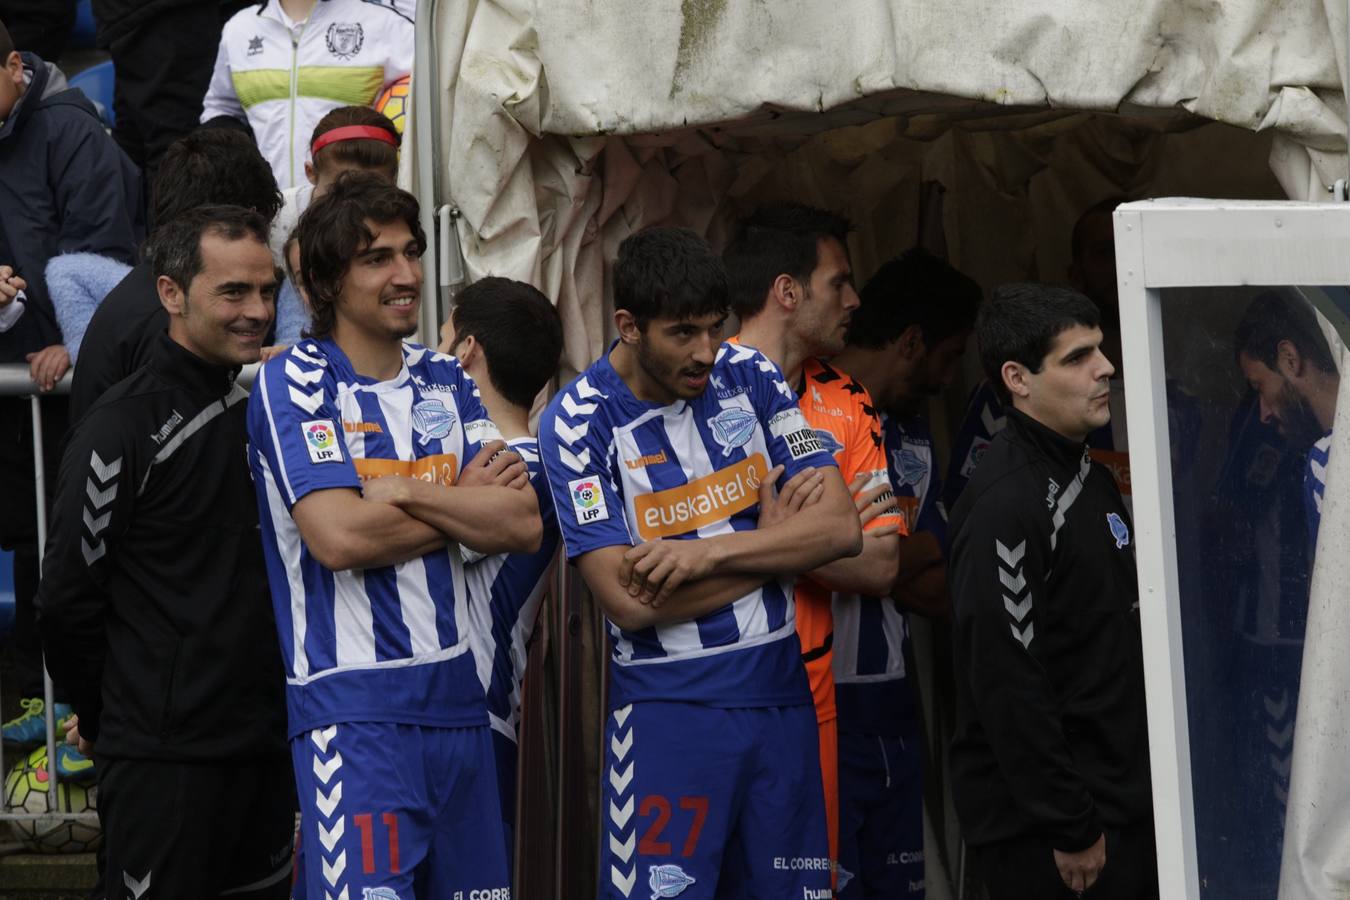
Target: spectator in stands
[
  {"x": 337, "y": 53},
  {"x": 209, "y": 166},
  {"x": 347, "y": 139},
  {"x": 65, "y": 187},
  {"x": 161, "y": 53},
  {"x": 41, "y": 26}
]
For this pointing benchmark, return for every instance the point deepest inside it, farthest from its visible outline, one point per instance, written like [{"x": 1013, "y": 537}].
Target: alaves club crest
[
  {"x": 667, "y": 881},
  {"x": 431, "y": 420},
  {"x": 732, "y": 427},
  {"x": 1119, "y": 530}
]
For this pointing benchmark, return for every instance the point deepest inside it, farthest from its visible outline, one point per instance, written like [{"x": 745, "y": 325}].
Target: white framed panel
[{"x": 1160, "y": 245}]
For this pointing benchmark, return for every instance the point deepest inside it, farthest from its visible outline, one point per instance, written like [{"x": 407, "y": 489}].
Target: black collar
[
  {"x": 176, "y": 364},
  {"x": 1045, "y": 441}
]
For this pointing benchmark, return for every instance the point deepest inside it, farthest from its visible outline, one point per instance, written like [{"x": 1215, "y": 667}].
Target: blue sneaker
[
  {"x": 30, "y": 727},
  {"x": 72, "y": 765}
]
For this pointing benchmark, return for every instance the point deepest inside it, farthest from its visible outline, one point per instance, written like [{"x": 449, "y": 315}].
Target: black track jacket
[
  {"x": 1051, "y": 737},
  {"x": 153, "y": 606}
]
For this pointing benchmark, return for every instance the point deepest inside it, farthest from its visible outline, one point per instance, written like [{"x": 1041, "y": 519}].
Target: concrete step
[{"x": 34, "y": 876}]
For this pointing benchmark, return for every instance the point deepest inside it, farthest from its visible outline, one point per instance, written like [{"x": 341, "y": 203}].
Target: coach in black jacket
[
  {"x": 1050, "y": 760},
  {"x": 153, "y": 605}
]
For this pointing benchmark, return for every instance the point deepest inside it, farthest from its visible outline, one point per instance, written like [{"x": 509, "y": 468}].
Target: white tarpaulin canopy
[
  {"x": 565, "y": 124},
  {"x": 559, "y": 127}
]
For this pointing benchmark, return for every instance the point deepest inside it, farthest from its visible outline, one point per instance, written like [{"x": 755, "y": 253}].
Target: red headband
[{"x": 353, "y": 133}]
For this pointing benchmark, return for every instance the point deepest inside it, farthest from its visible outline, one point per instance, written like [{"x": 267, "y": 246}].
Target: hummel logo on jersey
[
  {"x": 648, "y": 459},
  {"x": 321, "y": 441},
  {"x": 588, "y": 500},
  {"x": 1051, "y": 490},
  {"x": 160, "y": 435}
]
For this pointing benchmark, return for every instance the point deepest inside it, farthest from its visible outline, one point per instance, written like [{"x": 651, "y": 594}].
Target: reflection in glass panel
[{"x": 1251, "y": 388}]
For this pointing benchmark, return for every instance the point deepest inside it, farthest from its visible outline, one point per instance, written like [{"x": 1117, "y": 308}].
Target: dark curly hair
[
  {"x": 211, "y": 167},
  {"x": 333, "y": 231}
]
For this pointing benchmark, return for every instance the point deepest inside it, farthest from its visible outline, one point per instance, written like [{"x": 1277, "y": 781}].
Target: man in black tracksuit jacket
[
  {"x": 154, "y": 606},
  {"x": 1050, "y": 759}
]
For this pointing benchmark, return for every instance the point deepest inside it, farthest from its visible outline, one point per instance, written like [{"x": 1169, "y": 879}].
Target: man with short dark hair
[
  {"x": 508, "y": 337},
  {"x": 905, "y": 340},
  {"x": 211, "y": 166},
  {"x": 374, "y": 461},
  {"x": 153, "y": 604},
  {"x": 793, "y": 291},
  {"x": 1092, "y": 272},
  {"x": 1285, "y": 358},
  {"x": 1050, "y": 760},
  {"x": 662, "y": 458}
]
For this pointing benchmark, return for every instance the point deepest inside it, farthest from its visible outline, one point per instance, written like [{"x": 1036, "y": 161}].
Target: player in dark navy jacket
[{"x": 1050, "y": 759}]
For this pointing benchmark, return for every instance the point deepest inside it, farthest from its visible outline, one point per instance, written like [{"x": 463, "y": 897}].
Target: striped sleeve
[
  {"x": 296, "y": 429},
  {"x": 573, "y": 444}
]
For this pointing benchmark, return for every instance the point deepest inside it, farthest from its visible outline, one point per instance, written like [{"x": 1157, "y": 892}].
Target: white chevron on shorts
[
  {"x": 623, "y": 868},
  {"x": 331, "y": 820}
]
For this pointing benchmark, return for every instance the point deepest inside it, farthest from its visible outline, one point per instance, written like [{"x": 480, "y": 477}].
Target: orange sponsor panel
[
  {"x": 439, "y": 468},
  {"x": 702, "y": 501}
]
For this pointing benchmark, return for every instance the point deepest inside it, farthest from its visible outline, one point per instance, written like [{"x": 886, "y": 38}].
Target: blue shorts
[
  {"x": 703, "y": 802},
  {"x": 880, "y": 817},
  {"x": 505, "y": 754},
  {"x": 411, "y": 809}
]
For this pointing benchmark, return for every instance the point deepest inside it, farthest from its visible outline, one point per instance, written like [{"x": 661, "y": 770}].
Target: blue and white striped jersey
[
  {"x": 1315, "y": 485},
  {"x": 869, "y": 633},
  {"x": 388, "y": 644},
  {"x": 624, "y": 471},
  {"x": 505, "y": 592}
]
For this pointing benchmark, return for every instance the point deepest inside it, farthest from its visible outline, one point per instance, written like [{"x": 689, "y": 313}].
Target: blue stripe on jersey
[
  {"x": 873, "y": 655},
  {"x": 441, "y": 570},
  {"x": 392, "y": 640},
  {"x": 376, "y": 444},
  {"x": 653, "y": 441},
  {"x": 282, "y": 612},
  {"x": 320, "y": 627}
]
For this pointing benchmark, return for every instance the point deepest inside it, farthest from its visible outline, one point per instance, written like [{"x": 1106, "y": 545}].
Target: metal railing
[{"x": 15, "y": 382}]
